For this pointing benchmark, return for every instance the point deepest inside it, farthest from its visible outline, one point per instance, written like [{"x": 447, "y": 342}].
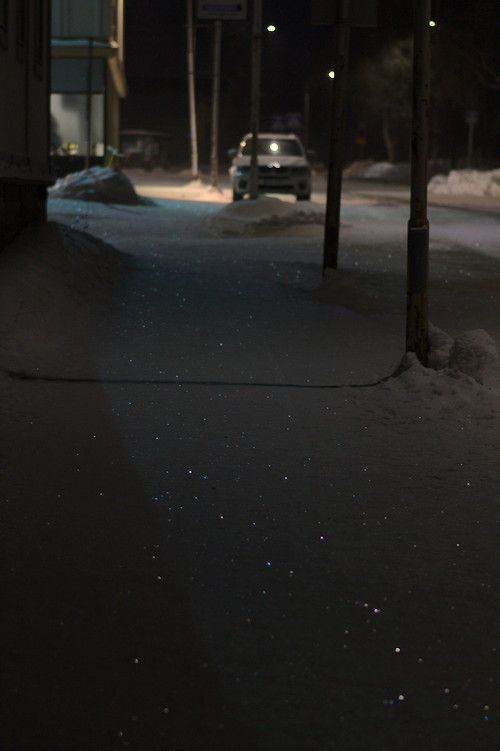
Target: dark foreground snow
[{"x": 226, "y": 526}]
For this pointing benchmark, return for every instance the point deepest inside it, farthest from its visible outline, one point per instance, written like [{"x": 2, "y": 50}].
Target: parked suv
[{"x": 283, "y": 166}]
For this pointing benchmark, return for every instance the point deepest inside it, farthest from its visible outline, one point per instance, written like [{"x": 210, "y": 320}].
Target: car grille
[
  {"x": 273, "y": 171},
  {"x": 272, "y": 178},
  {"x": 277, "y": 177}
]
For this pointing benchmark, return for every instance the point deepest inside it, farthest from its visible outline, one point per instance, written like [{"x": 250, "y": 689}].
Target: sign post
[
  {"x": 347, "y": 14},
  {"x": 361, "y": 139},
  {"x": 472, "y": 119},
  {"x": 214, "y": 150},
  {"x": 334, "y": 187},
  {"x": 255, "y": 102},
  {"x": 191, "y": 93}
]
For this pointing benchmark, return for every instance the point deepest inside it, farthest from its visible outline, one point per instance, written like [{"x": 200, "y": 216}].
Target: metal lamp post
[{"x": 417, "y": 325}]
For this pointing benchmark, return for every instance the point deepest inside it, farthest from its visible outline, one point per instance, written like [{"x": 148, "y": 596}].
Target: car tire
[
  {"x": 237, "y": 196},
  {"x": 304, "y": 198}
]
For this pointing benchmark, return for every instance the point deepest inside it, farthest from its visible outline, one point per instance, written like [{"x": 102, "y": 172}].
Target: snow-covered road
[{"x": 218, "y": 535}]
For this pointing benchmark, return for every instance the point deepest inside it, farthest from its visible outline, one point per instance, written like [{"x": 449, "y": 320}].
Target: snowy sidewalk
[{"x": 220, "y": 535}]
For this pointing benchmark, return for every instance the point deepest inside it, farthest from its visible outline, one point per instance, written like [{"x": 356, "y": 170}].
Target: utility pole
[
  {"x": 214, "y": 165},
  {"x": 255, "y": 103},
  {"x": 417, "y": 324},
  {"x": 191, "y": 93},
  {"x": 471, "y": 118},
  {"x": 334, "y": 188},
  {"x": 307, "y": 113}
]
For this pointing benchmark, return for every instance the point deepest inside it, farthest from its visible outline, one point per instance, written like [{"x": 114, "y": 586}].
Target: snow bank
[
  {"x": 449, "y": 390},
  {"x": 160, "y": 184},
  {"x": 46, "y": 275},
  {"x": 419, "y": 394},
  {"x": 458, "y": 182},
  {"x": 97, "y": 184},
  {"x": 467, "y": 182},
  {"x": 265, "y": 214},
  {"x": 466, "y": 357},
  {"x": 196, "y": 190}
]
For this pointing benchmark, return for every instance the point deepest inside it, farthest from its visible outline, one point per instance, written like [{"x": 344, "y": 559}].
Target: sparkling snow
[{"x": 237, "y": 514}]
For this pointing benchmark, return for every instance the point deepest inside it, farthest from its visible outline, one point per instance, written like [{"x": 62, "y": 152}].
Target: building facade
[
  {"x": 24, "y": 114},
  {"x": 87, "y": 80}
]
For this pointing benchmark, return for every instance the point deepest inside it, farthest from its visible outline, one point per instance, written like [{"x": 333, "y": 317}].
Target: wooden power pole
[
  {"x": 417, "y": 324},
  {"x": 335, "y": 160}
]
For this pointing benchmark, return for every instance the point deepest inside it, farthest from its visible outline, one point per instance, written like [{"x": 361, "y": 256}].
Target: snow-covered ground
[{"x": 229, "y": 523}]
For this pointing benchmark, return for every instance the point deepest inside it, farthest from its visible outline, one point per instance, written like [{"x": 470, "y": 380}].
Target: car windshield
[{"x": 274, "y": 146}]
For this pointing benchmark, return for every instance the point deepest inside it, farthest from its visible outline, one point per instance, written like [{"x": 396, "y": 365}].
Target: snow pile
[
  {"x": 265, "y": 214},
  {"x": 458, "y": 182},
  {"x": 196, "y": 190},
  {"x": 467, "y": 182},
  {"x": 97, "y": 184},
  {"x": 449, "y": 389},
  {"x": 159, "y": 184},
  {"x": 47, "y": 274},
  {"x": 471, "y": 353},
  {"x": 419, "y": 394},
  {"x": 378, "y": 170}
]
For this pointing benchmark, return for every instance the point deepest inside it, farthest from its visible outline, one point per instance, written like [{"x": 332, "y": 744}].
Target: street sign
[
  {"x": 293, "y": 121},
  {"x": 361, "y": 138},
  {"x": 222, "y": 10},
  {"x": 278, "y": 123},
  {"x": 472, "y": 117}
]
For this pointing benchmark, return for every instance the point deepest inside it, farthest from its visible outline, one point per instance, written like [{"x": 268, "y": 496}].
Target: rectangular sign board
[
  {"x": 361, "y": 12},
  {"x": 222, "y": 10},
  {"x": 472, "y": 117}
]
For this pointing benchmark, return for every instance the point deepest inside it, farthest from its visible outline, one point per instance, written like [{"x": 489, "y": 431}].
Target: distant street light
[
  {"x": 432, "y": 23},
  {"x": 331, "y": 74},
  {"x": 271, "y": 28}
]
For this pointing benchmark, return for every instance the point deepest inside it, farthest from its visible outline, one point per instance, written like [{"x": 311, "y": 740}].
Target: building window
[
  {"x": 69, "y": 129},
  {"x": 4, "y": 23}
]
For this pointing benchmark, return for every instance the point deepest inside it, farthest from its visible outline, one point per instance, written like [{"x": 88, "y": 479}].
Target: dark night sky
[{"x": 155, "y": 58}]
